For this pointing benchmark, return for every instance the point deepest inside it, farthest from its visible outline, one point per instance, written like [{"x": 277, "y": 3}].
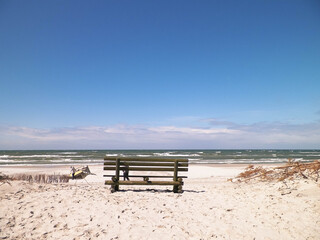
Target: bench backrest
[{"x": 174, "y": 166}]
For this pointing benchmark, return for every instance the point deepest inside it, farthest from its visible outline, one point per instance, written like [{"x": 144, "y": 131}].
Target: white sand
[{"x": 210, "y": 208}]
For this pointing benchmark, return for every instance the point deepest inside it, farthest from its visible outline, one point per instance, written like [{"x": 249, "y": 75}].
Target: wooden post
[
  {"x": 175, "y": 176},
  {"x": 180, "y": 185},
  {"x": 117, "y": 174}
]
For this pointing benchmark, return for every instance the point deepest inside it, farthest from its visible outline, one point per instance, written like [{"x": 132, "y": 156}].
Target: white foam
[
  {"x": 5, "y": 160},
  {"x": 34, "y": 156},
  {"x": 171, "y": 154},
  {"x": 68, "y": 153},
  {"x": 309, "y": 152},
  {"x": 17, "y": 161}
]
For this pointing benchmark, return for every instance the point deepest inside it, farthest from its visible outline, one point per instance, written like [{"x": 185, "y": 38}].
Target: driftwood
[
  {"x": 290, "y": 171},
  {"x": 4, "y": 179}
]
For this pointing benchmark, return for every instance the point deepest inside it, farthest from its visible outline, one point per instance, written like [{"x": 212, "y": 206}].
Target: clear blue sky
[{"x": 159, "y": 74}]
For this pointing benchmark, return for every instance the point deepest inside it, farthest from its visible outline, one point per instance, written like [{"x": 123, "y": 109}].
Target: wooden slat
[
  {"x": 141, "y": 176},
  {"x": 108, "y": 182},
  {"x": 146, "y": 159},
  {"x": 145, "y": 164},
  {"x": 148, "y": 169}
]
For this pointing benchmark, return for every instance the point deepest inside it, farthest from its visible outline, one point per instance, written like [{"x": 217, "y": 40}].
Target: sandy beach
[{"x": 209, "y": 208}]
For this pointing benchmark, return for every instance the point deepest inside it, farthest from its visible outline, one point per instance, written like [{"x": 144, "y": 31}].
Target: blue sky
[{"x": 159, "y": 74}]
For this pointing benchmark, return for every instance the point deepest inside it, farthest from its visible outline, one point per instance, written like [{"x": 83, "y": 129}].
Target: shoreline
[
  {"x": 59, "y": 165},
  {"x": 195, "y": 170},
  {"x": 200, "y": 171}
]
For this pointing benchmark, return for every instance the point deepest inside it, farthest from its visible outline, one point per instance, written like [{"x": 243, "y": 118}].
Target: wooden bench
[{"x": 151, "y": 168}]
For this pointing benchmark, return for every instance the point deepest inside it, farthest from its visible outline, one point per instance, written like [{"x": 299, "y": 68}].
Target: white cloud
[{"x": 219, "y": 135}]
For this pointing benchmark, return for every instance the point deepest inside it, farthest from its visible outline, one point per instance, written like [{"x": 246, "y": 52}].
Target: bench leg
[
  {"x": 114, "y": 186},
  {"x": 178, "y": 188},
  {"x": 175, "y": 188}
]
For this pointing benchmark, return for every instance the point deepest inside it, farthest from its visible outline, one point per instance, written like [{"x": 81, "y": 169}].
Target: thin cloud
[
  {"x": 218, "y": 122},
  {"x": 258, "y": 135}
]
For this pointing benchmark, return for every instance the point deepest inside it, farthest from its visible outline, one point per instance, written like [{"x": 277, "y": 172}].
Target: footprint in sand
[
  {"x": 56, "y": 225},
  {"x": 11, "y": 222}
]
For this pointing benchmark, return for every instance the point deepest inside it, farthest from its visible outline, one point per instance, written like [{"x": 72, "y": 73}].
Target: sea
[{"x": 89, "y": 157}]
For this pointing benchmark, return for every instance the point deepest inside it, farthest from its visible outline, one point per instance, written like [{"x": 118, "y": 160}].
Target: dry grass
[
  {"x": 34, "y": 178},
  {"x": 42, "y": 178},
  {"x": 290, "y": 171}
]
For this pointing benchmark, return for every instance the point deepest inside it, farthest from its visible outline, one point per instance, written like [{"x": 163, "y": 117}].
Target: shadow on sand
[{"x": 157, "y": 191}]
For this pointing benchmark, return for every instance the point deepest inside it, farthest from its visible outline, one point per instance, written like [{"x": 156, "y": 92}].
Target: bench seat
[{"x": 147, "y": 169}]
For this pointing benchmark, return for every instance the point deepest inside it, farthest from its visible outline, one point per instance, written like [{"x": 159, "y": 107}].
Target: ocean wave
[
  {"x": 69, "y": 157},
  {"x": 41, "y": 156},
  {"x": 34, "y": 156},
  {"x": 62, "y": 160},
  {"x": 76, "y": 160},
  {"x": 309, "y": 152},
  {"x": 95, "y": 160},
  {"x": 68, "y": 153},
  {"x": 240, "y": 161},
  {"x": 6, "y": 160},
  {"x": 17, "y": 161},
  {"x": 196, "y": 160},
  {"x": 171, "y": 154}
]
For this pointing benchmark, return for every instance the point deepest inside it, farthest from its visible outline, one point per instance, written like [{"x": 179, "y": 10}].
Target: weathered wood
[
  {"x": 117, "y": 173},
  {"x": 118, "y": 164},
  {"x": 175, "y": 176},
  {"x": 146, "y": 159},
  {"x": 141, "y": 176},
  {"x": 150, "y": 169},
  {"x": 117, "y": 168},
  {"x": 109, "y": 182},
  {"x": 113, "y": 163}
]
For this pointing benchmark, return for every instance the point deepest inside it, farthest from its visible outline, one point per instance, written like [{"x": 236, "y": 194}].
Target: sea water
[{"x": 83, "y": 157}]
